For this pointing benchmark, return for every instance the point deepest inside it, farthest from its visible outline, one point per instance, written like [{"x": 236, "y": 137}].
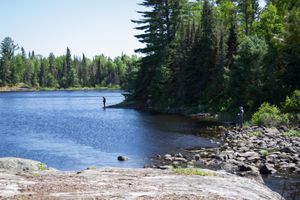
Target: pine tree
[
  {"x": 246, "y": 76},
  {"x": 248, "y": 10},
  {"x": 7, "y": 50},
  {"x": 231, "y": 45},
  {"x": 202, "y": 61},
  {"x": 43, "y": 74},
  {"x": 98, "y": 76},
  {"x": 83, "y": 71},
  {"x": 291, "y": 53}
]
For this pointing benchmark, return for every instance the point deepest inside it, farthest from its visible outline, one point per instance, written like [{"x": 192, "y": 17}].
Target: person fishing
[
  {"x": 241, "y": 116},
  {"x": 104, "y": 102}
]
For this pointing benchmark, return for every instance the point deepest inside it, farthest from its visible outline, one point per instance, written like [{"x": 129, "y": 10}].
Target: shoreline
[
  {"x": 257, "y": 153},
  {"x": 27, "y": 89},
  {"x": 254, "y": 146}
]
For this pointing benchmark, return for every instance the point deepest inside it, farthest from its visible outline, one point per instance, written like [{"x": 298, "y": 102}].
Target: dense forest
[
  {"x": 202, "y": 55},
  {"x": 35, "y": 71},
  {"x": 217, "y": 55}
]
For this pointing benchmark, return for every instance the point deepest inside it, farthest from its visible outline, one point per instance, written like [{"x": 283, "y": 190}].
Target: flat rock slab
[
  {"x": 129, "y": 184},
  {"x": 19, "y": 165}
]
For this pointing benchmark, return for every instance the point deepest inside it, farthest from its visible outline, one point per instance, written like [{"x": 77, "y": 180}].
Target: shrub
[
  {"x": 264, "y": 152},
  {"x": 269, "y": 115},
  {"x": 291, "y": 106},
  {"x": 292, "y": 133}
]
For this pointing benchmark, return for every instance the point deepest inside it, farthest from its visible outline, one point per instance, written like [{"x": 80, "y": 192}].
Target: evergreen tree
[
  {"x": 52, "y": 66},
  {"x": 248, "y": 11},
  {"x": 246, "y": 76},
  {"x": 43, "y": 74},
  {"x": 291, "y": 51},
  {"x": 231, "y": 45},
  {"x": 98, "y": 72},
  {"x": 202, "y": 62},
  {"x": 7, "y": 50},
  {"x": 83, "y": 75}
]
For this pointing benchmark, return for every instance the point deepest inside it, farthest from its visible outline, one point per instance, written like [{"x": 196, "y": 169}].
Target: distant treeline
[
  {"x": 63, "y": 71},
  {"x": 216, "y": 55}
]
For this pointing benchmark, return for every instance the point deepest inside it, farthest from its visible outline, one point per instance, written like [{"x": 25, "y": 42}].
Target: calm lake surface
[{"x": 69, "y": 130}]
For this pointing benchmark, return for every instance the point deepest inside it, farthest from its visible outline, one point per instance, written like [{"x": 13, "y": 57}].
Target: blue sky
[
  {"x": 92, "y": 27},
  {"x": 85, "y": 26}
]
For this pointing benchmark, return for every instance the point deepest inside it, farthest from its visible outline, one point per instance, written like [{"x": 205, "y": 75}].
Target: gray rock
[
  {"x": 295, "y": 158},
  {"x": 175, "y": 163},
  {"x": 21, "y": 165},
  {"x": 232, "y": 161},
  {"x": 283, "y": 128},
  {"x": 204, "y": 154},
  {"x": 244, "y": 149},
  {"x": 241, "y": 159},
  {"x": 168, "y": 157},
  {"x": 197, "y": 156},
  {"x": 272, "y": 158},
  {"x": 272, "y": 131},
  {"x": 179, "y": 155},
  {"x": 165, "y": 167},
  {"x": 290, "y": 167},
  {"x": 180, "y": 159},
  {"x": 199, "y": 163},
  {"x": 221, "y": 157},
  {"x": 253, "y": 158},
  {"x": 288, "y": 150},
  {"x": 249, "y": 154},
  {"x": 229, "y": 167}
]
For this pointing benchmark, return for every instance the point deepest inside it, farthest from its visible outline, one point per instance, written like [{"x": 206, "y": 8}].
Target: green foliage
[
  {"x": 268, "y": 115},
  {"x": 292, "y": 133},
  {"x": 7, "y": 68},
  {"x": 63, "y": 71},
  {"x": 255, "y": 134},
  {"x": 246, "y": 80},
  {"x": 271, "y": 24},
  {"x": 42, "y": 167},
  {"x": 192, "y": 171},
  {"x": 264, "y": 152},
  {"x": 291, "y": 107}
]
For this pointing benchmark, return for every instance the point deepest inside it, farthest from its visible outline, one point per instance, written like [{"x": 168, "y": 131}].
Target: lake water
[{"x": 69, "y": 130}]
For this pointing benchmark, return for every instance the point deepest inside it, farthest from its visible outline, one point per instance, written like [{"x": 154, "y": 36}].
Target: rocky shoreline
[
  {"x": 250, "y": 152},
  {"x": 253, "y": 149}
]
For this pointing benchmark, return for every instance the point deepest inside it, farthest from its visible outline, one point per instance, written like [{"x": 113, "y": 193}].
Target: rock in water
[{"x": 122, "y": 158}]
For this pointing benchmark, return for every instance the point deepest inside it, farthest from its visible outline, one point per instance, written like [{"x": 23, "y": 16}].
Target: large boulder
[
  {"x": 133, "y": 184},
  {"x": 18, "y": 165}
]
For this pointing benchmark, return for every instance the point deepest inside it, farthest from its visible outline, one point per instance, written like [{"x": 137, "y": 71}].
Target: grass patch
[
  {"x": 193, "y": 171},
  {"x": 264, "y": 152},
  {"x": 42, "y": 167},
  {"x": 255, "y": 134},
  {"x": 292, "y": 133}
]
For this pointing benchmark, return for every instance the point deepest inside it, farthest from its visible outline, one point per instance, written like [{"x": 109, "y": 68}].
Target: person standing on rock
[
  {"x": 241, "y": 116},
  {"x": 104, "y": 102}
]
